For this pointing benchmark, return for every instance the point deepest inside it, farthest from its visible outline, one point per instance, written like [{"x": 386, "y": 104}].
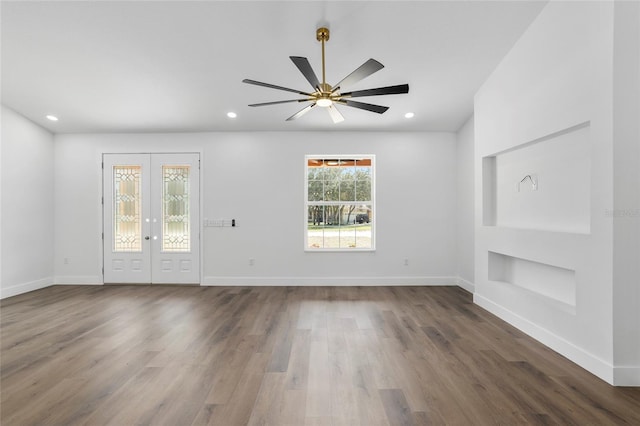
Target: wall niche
[
  {"x": 552, "y": 282},
  {"x": 543, "y": 185}
]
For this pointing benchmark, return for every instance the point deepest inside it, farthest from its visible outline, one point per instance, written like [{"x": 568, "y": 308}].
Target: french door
[{"x": 151, "y": 218}]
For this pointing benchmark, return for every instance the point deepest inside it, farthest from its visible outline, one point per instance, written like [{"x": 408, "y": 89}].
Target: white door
[{"x": 151, "y": 216}]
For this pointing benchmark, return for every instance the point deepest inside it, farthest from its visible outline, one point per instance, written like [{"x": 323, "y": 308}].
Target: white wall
[
  {"x": 556, "y": 81},
  {"x": 465, "y": 241},
  {"x": 626, "y": 207},
  {"x": 27, "y": 205},
  {"x": 257, "y": 178}
]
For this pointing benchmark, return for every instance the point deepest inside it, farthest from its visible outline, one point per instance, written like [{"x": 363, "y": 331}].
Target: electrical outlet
[
  {"x": 252, "y": 262},
  {"x": 66, "y": 260},
  {"x": 406, "y": 262}
]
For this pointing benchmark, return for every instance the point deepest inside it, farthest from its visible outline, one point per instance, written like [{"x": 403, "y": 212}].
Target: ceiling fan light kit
[{"x": 326, "y": 96}]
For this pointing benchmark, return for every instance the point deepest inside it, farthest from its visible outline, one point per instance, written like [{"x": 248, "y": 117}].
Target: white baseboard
[
  {"x": 329, "y": 281},
  {"x": 466, "y": 285},
  {"x": 576, "y": 354},
  {"x": 17, "y": 289},
  {"x": 298, "y": 281},
  {"x": 626, "y": 376},
  {"x": 78, "y": 280}
]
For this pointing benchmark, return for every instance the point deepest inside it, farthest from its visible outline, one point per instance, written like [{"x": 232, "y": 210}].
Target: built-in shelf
[
  {"x": 550, "y": 281},
  {"x": 545, "y": 231},
  {"x": 544, "y": 184}
]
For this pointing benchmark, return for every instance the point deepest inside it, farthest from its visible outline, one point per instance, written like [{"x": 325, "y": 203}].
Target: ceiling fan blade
[
  {"x": 278, "y": 102},
  {"x": 361, "y": 105},
  {"x": 364, "y": 70},
  {"x": 389, "y": 90},
  {"x": 305, "y": 68},
  {"x": 273, "y": 86},
  {"x": 335, "y": 114},
  {"x": 302, "y": 112}
]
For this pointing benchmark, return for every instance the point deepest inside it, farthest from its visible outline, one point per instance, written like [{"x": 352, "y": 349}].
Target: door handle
[{"x": 146, "y": 238}]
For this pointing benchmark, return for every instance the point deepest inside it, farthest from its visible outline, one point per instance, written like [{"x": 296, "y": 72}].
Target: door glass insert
[
  {"x": 176, "y": 235},
  {"x": 127, "y": 235}
]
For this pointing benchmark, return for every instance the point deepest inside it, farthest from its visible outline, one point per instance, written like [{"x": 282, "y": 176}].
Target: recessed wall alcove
[
  {"x": 544, "y": 184},
  {"x": 553, "y": 282}
]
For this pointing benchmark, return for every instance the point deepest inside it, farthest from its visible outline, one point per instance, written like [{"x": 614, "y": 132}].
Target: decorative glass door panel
[
  {"x": 175, "y": 209},
  {"x": 127, "y": 209},
  {"x": 151, "y": 212}
]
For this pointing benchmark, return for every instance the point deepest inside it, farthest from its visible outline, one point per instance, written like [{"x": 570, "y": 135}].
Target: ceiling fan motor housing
[{"x": 325, "y": 88}]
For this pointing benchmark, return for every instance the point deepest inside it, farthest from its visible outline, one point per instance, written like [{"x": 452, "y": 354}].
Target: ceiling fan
[{"x": 327, "y": 96}]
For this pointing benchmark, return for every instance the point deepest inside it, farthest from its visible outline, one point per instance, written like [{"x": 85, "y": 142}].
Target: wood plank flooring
[{"x": 168, "y": 355}]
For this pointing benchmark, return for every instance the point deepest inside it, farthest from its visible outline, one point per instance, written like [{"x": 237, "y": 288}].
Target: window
[{"x": 339, "y": 203}]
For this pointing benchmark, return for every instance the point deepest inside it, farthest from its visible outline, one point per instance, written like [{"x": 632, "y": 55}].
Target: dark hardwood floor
[{"x": 169, "y": 355}]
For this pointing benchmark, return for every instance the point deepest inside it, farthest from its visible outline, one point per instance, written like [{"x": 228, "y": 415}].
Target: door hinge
[
  {"x": 103, "y": 165},
  {"x": 103, "y": 201},
  {"x": 103, "y": 235}
]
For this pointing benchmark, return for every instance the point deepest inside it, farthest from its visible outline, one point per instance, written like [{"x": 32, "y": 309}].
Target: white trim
[
  {"x": 338, "y": 250},
  {"x": 100, "y": 214},
  {"x": 626, "y": 376},
  {"x": 584, "y": 359},
  {"x": 329, "y": 281},
  {"x": 466, "y": 285},
  {"x": 17, "y": 289},
  {"x": 78, "y": 280}
]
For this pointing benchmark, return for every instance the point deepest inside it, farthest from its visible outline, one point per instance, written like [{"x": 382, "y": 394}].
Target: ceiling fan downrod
[{"x": 322, "y": 35}]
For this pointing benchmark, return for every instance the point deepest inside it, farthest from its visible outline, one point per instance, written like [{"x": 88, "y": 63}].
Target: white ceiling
[{"x": 164, "y": 66}]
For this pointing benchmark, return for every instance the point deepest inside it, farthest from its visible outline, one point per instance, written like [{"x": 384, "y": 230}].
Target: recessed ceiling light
[
  {"x": 409, "y": 115},
  {"x": 232, "y": 114},
  {"x": 52, "y": 117}
]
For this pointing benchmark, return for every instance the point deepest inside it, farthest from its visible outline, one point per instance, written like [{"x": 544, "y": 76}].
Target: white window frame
[{"x": 371, "y": 157}]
